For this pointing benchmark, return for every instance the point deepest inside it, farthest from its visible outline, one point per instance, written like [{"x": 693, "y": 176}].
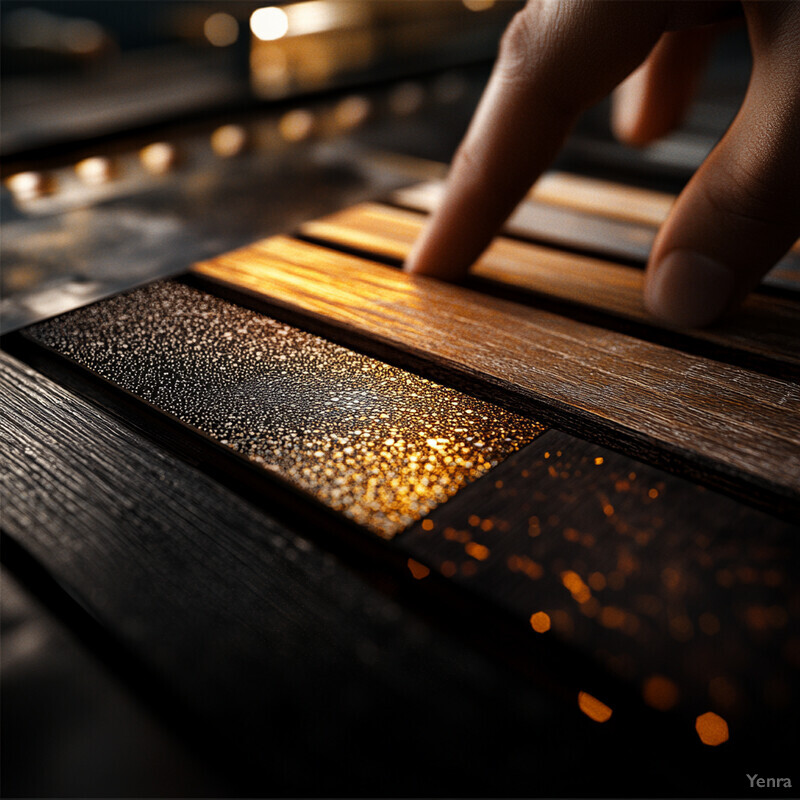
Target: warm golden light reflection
[
  {"x": 27, "y": 186},
  {"x": 316, "y": 16},
  {"x": 477, "y": 551},
  {"x": 228, "y": 141},
  {"x": 577, "y": 588},
  {"x": 351, "y": 112},
  {"x": 221, "y": 29},
  {"x": 419, "y": 571},
  {"x": 269, "y": 24},
  {"x": 158, "y": 158},
  {"x": 296, "y": 125},
  {"x": 660, "y": 692},
  {"x": 316, "y": 413},
  {"x": 94, "y": 171},
  {"x": 598, "y": 461},
  {"x": 478, "y": 5},
  {"x": 612, "y": 617},
  {"x": 427, "y": 525},
  {"x": 594, "y": 708},
  {"x": 540, "y": 622},
  {"x": 526, "y": 565},
  {"x": 712, "y": 729},
  {"x": 597, "y": 581}
]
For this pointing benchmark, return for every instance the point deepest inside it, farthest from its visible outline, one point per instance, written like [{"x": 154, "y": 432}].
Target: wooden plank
[
  {"x": 740, "y": 425},
  {"x": 766, "y": 327},
  {"x": 271, "y": 650},
  {"x": 555, "y": 225},
  {"x": 603, "y": 198},
  {"x": 301, "y": 657},
  {"x": 606, "y": 198},
  {"x": 608, "y": 237}
]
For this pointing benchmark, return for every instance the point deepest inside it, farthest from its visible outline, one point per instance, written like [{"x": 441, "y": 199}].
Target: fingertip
[
  {"x": 687, "y": 289},
  {"x": 627, "y": 111}
]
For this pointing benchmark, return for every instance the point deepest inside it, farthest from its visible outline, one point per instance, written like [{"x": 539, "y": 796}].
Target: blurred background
[{"x": 140, "y": 136}]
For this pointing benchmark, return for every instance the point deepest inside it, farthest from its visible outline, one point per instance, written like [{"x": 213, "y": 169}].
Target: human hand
[{"x": 737, "y": 216}]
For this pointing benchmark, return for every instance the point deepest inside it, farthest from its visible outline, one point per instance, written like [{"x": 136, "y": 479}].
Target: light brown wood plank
[
  {"x": 606, "y": 199},
  {"x": 740, "y": 425},
  {"x": 578, "y": 228},
  {"x": 766, "y": 327}
]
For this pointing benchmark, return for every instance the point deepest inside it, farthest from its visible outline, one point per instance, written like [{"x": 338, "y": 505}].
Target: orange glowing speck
[
  {"x": 599, "y": 460},
  {"x": 594, "y": 708},
  {"x": 652, "y": 494},
  {"x": 612, "y": 617},
  {"x": 477, "y": 551},
  {"x": 597, "y": 581},
  {"x": 540, "y": 622},
  {"x": 419, "y": 571},
  {"x": 660, "y": 692},
  {"x": 712, "y": 729},
  {"x": 427, "y": 525}
]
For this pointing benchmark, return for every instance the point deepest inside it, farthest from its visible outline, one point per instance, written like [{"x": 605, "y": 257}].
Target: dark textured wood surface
[
  {"x": 308, "y": 656},
  {"x": 766, "y": 330},
  {"x": 507, "y": 545},
  {"x": 738, "y": 426},
  {"x": 282, "y": 664}
]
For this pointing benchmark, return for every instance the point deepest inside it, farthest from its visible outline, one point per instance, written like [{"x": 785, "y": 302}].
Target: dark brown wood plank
[
  {"x": 284, "y": 665},
  {"x": 767, "y": 327},
  {"x": 739, "y": 424}
]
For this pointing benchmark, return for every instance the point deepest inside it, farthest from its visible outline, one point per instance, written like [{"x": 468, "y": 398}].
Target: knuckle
[
  {"x": 468, "y": 163},
  {"x": 744, "y": 193},
  {"x": 516, "y": 45}
]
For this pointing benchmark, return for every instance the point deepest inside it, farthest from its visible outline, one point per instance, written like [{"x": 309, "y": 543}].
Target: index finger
[{"x": 555, "y": 60}]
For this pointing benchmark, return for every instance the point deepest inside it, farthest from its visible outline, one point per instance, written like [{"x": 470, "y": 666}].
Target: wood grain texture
[
  {"x": 614, "y": 238},
  {"x": 766, "y": 327},
  {"x": 736, "y": 423},
  {"x": 606, "y": 198},
  {"x": 298, "y": 675},
  {"x": 285, "y": 665}
]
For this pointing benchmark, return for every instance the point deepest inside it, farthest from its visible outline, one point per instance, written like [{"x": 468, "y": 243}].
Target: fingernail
[{"x": 688, "y": 289}]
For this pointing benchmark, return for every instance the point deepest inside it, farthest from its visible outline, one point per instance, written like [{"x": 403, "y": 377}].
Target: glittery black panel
[
  {"x": 679, "y": 590},
  {"x": 377, "y": 443}
]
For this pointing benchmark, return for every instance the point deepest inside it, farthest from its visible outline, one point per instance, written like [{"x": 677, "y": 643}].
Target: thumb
[{"x": 741, "y": 211}]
